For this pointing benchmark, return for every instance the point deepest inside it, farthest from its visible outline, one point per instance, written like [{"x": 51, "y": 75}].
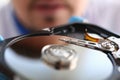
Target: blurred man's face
[{"x": 39, "y": 14}]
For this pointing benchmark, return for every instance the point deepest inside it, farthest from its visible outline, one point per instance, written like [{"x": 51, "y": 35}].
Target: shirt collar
[{"x": 20, "y": 26}]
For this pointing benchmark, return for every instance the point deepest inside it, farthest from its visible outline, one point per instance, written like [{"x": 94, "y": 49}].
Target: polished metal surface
[
  {"x": 59, "y": 56},
  {"x": 25, "y": 58},
  {"x": 109, "y": 45},
  {"x": 102, "y": 45}
]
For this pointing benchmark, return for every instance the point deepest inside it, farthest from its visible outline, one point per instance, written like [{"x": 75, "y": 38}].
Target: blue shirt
[{"x": 20, "y": 27}]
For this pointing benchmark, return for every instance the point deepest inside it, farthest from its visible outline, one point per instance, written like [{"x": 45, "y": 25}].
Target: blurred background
[
  {"x": 105, "y": 13},
  {"x": 3, "y": 2}
]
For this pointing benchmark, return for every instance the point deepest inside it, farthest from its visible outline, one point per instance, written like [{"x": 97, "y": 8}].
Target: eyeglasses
[{"x": 62, "y": 53}]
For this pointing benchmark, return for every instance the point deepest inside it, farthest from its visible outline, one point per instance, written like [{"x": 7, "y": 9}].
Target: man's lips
[{"x": 48, "y": 7}]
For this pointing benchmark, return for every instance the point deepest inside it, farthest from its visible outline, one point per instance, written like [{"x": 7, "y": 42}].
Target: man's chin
[
  {"x": 44, "y": 26},
  {"x": 39, "y": 23}
]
